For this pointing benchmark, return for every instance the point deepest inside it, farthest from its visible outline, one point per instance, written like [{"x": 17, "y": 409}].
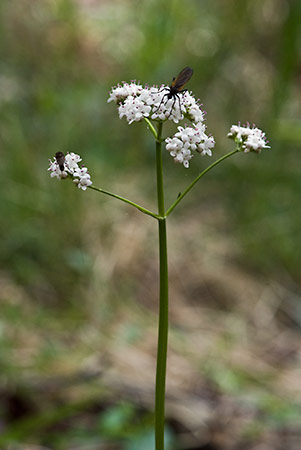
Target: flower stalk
[
  {"x": 125, "y": 200},
  {"x": 137, "y": 103},
  {"x": 215, "y": 163},
  {"x": 163, "y": 303}
]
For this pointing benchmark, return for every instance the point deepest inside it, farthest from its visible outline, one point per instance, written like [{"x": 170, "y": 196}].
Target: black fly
[
  {"x": 60, "y": 159},
  {"x": 176, "y": 87}
]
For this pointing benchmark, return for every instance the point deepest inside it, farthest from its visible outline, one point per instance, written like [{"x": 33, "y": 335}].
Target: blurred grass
[{"x": 58, "y": 60}]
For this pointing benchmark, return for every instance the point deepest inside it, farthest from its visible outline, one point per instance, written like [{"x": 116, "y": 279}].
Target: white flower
[
  {"x": 72, "y": 160},
  {"x": 248, "y": 139},
  {"x": 55, "y": 171},
  {"x": 193, "y": 109},
  {"x": 82, "y": 178},
  {"x": 134, "y": 109},
  {"x": 135, "y": 102},
  {"x": 79, "y": 174},
  {"x": 188, "y": 139},
  {"x": 179, "y": 151},
  {"x": 120, "y": 93}
]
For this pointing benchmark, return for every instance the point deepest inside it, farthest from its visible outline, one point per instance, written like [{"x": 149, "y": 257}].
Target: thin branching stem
[
  {"x": 151, "y": 127},
  {"x": 215, "y": 163},
  {"x": 125, "y": 200}
]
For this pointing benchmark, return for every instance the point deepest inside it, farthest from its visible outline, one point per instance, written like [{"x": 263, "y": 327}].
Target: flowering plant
[{"x": 155, "y": 105}]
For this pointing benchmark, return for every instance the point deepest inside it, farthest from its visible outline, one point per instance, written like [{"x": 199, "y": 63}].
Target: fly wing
[{"x": 183, "y": 77}]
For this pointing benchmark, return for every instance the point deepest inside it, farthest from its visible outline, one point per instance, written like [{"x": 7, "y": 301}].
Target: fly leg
[
  {"x": 173, "y": 104},
  {"x": 165, "y": 95},
  {"x": 180, "y": 103}
]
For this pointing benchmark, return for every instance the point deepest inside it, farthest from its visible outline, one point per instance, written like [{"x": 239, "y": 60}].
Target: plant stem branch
[
  {"x": 125, "y": 200},
  {"x": 172, "y": 207},
  {"x": 151, "y": 127}
]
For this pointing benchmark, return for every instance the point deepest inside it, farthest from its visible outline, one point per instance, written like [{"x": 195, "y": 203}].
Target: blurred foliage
[{"x": 58, "y": 60}]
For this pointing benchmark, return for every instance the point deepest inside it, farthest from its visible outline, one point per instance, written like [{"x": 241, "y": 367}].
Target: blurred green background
[{"x": 79, "y": 276}]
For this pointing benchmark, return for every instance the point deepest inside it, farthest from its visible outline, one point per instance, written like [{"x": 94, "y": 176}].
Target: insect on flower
[
  {"x": 176, "y": 87},
  {"x": 60, "y": 159}
]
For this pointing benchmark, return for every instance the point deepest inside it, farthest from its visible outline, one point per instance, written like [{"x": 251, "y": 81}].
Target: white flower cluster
[
  {"x": 80, "y": 175},
  {"x": 188, "y": 139},
  {"x": 135, "y": 102},
  {"x": 120, "y": 93},
  {"x": 249, "y": 139}
]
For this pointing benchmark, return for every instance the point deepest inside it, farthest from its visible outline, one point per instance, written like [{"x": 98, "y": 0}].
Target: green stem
[
  {"x": 125, "y": 200},
  {"x": 151, "y": 127},
  {"x": 163, "y": 304},
  {"x": 172, "y": 207},
  {"x": 162, "y": 339},
  {"x": 159, "y": 166}
]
